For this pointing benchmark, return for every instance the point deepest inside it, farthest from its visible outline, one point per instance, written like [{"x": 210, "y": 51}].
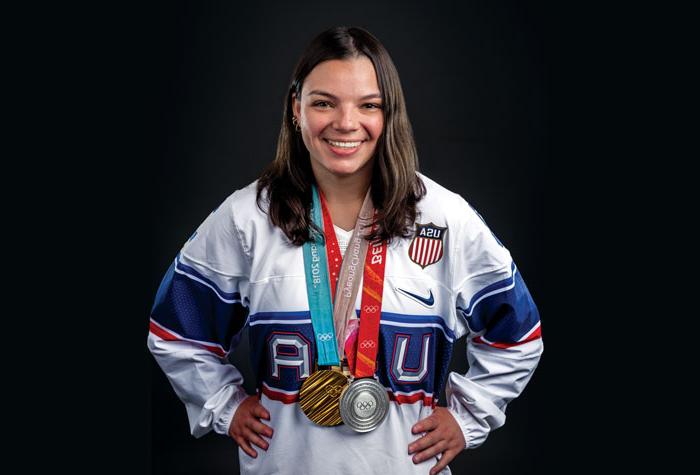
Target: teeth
[{"x": 344, "y": 144}]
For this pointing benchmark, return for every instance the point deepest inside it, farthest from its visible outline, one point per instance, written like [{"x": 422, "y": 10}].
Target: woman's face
[{"x": 340, "y": 103}]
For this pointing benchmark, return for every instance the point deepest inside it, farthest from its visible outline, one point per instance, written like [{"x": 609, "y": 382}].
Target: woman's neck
[
  {"x": 344, "y": 190},
  {"x": 344, "y": 195}
]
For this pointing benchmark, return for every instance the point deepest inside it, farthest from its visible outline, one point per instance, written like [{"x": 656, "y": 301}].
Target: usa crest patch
[{"x": 427, "y": 245}]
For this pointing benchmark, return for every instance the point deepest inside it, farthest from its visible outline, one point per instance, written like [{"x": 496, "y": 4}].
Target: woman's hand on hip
[
  {"x": 246, "y": 428},
  {"x": 443, "y": 436}
]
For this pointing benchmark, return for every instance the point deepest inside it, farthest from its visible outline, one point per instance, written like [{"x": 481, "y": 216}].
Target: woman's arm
[
  {"x": 494, "y": 308},
  {"x": 198, "y": 314}
]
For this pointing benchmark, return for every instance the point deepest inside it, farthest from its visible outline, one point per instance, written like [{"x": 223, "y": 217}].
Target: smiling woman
[
  {"x": 355, "y": 275},
  {"x": 345, "y": 89},
  {"x": 341, "y": 132}
]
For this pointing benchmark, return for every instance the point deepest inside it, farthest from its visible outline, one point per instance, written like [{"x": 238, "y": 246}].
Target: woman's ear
[{"x": 296, "y": 106}]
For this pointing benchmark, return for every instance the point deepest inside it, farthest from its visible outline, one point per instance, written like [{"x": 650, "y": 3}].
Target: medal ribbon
[
  {"x": 346, "y": 274},
  {"x": 318, "y": 290},
  {"x": 370, "y": 310},
  {"x": 361, "y": 357},
  {"x": 330, "y": 317}
]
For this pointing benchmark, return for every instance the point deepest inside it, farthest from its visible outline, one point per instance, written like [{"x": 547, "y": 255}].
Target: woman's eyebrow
[{"x": 328, "y": 94}]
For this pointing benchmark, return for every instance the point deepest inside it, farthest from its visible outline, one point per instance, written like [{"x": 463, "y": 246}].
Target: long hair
[{"x": 396, "y": 188}]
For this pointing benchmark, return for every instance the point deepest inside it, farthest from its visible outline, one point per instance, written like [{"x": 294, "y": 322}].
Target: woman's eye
[{"x": 369, "y": 105}]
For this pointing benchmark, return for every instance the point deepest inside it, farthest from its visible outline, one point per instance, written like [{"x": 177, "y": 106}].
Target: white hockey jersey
[{"x": 452, "y": 278}]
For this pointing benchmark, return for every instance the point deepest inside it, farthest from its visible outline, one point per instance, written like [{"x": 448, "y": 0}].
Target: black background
[
  {"x": 478, "y": 84},
  {"x": 516, "y": 106}
]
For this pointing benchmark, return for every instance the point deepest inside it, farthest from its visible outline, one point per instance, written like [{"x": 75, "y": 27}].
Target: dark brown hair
[{"x": 396, "y": 188}]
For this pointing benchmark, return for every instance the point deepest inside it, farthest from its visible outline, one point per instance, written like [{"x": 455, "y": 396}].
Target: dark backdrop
[
  {"x": 135, "y": 120},
  {"x": 488, "y": 94}
]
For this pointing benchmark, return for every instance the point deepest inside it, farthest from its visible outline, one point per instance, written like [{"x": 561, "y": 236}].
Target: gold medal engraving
[{"x": 319, "y": 396}]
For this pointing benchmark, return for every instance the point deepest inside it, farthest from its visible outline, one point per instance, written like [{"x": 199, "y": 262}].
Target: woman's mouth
[{"x": 343, "y": 149}]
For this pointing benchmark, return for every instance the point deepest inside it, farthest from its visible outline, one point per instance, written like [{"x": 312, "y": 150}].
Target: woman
[{"x": 353, "y": 272}]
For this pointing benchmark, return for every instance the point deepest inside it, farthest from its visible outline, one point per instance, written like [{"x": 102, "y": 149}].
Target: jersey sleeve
[
  {"x": 502, "y": 326},
  {"x": 199, "y": 311}
]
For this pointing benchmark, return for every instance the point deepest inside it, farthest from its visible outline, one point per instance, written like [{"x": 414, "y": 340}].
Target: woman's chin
[
  {"x": 340, "y": 171},
  {"x": 347, "y": 167},
  {"x": 343, "y": 169}
]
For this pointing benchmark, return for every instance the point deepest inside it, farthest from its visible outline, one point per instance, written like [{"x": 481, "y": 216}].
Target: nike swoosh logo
[{"x": 427, "y": 301}]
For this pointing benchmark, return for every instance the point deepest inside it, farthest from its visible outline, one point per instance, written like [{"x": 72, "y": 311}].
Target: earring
[{"x": 296, "y": 123}]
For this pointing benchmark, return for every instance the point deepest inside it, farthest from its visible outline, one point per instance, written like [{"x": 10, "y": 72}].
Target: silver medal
[{"x": 364, "y": 404}]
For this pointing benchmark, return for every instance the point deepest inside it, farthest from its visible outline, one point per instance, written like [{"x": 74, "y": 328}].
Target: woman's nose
[{"x": 345, "y": 118}]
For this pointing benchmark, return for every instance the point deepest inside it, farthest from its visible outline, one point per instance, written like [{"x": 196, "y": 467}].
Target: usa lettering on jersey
[
  {"x": 412, "y": 361},
  {"x": 426, "y": 248}
]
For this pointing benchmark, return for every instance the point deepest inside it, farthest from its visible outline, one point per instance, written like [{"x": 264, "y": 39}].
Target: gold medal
[{"x": 319, "y": 396}]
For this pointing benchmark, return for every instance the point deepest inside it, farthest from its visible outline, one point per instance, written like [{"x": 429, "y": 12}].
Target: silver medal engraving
[{"x": 364, "y": 404}]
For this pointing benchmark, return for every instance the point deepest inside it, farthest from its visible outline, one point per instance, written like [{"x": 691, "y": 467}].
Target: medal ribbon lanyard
[
  {"x": 346, "y": 272},
  {"x": 318, "y": 290},
  {"x": 373, "y": 260},
  {"x": 361, "y": 351},
  {"x": 370, "y": 309},
  {"x": 318, "y": 258}
]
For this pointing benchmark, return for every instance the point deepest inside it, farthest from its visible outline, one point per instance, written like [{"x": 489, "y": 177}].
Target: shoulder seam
[
  {"x": 477, "y": 274},
  {"x": 209, "y": 267},
  {"x": 237, "y": 231}
]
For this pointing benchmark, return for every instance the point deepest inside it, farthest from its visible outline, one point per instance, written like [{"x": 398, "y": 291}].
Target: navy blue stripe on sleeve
[
  {"x": 505, "y": 310},
  {"x": 192, "y": 306}
]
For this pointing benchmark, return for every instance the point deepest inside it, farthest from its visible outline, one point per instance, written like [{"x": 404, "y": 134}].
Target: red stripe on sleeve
[
  {"x": 533, "y": 336},
  {"x": 167, "y": 336}
]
